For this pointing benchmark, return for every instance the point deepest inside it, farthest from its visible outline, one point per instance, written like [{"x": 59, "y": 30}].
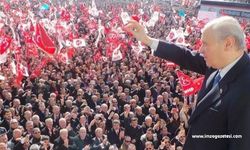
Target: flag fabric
[
  {"x": 117, "y": 55},
  {"x": 189, "y": 86},
  {"x": 43, "y": 41},
  {"x": 79, "y": 43},
  {"x": 125, "y": 17},
  {"x": 2, "y": 77},
  {"x": 172, "y": 35},
  {"x": 23, "y": 69},
  {"x": 198, "y": 83},
  {"x": 154, "y": 18},
  {"x": 3, "y": 57},
  {"x": 4, "y": 43}
]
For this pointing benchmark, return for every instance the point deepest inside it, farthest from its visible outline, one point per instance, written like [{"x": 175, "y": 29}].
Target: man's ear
[{"x": 230, "y": 42}]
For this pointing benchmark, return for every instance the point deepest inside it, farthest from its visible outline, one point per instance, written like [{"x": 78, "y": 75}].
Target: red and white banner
[
  {"x": 43, "y": 41},
  {"x": 189, "y": 86}
]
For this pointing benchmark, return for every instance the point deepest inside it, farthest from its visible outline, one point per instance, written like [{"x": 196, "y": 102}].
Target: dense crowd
[{"x": 92, "y": 102}]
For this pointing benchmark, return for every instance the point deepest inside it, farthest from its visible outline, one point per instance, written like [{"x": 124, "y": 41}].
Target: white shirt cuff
[{"x": 154, "y": 45}]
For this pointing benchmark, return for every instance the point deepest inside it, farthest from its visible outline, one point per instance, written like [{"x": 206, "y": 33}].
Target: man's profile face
[{"x": 212, "y": 49}]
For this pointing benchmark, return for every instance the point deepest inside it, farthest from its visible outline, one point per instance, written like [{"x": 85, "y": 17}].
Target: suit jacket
[
  {"x": 96, "y": 144},
  {"x": 59, "y": 144},
  {"x": 223, "y": 110},
  {"x": 113, "y": 138}
]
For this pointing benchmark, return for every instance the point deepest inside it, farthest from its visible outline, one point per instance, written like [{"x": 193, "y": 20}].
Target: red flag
[
  {"x": 136, "y": 18},
  {"x": 97, "y": 56},
  {"x": 38, "y": 70},
  {"x": 43, "y": 41},
  {"x": 71, "y": 52},
  {"x": 65, "y": 15},
  {"x": 248, "y": 43},
  {"x": 4, "y": 43},
  {"x": 198, "y": 83},
  {"x": 186, "y": 83}
]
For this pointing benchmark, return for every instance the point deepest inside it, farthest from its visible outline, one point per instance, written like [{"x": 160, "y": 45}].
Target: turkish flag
[
  {"x": 186, "y": 83},
  {"x": 4, "y": 43},
  {"x": 43, "y": 41},
  {"x": 97, "y": 56},
  {"x": 198, "y": 83}
]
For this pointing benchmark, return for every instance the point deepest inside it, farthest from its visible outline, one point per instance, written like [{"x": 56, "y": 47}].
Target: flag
[
  {"x": 2, "y": 77},
  {"x": 93, "y": 10},
  {"x": 136, "y": 18},
  {"x": 198, "y": 83},
  {"x": 4, "y": 43},
  {"x": 117, "y": 55},
  {"x": 186, "y": 83},
  {"x": 125, "y": 17},
  {"x": 43, "y": 41},
  {"x": 170, "y": 64},
  {"x": 180, "y": 40},
  {"x": 3, "y": 57},
  {"x": 172, "y": 35},
  {"x": 79, "y": 43},
  {"x": 154, "y": 18},
  {"x": 19, "y": 78},
  {"x": 97, "y": 56},
  {"x": 23, "y": 69}
]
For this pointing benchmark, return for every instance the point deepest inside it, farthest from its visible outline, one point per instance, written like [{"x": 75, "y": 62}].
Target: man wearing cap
[{"x": 3, "y": 135}]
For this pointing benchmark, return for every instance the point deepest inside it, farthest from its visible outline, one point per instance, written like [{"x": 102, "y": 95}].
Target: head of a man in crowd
[
  {"x": 68, "y": 103},
  {"x": 16, "y": 103},
  {"x": 64, "y": 134},
  {"x": 164, "y": 131},
  {"x": 14, "y": 124},
  {"x": 133, "y": 103},
  {"x": 150, "y": 134},
  {"x": 114, "y": 102},
  {"x": 149, "y": 145},
  {"x": 8, "y": 96},
  {"x": 166, "y": 141},
  {"x": 41, "y": 106},
  {"x": 36, "y": 133},
  {"x": 7, "y": 114},
  {"x": 3, "y": 146},
  {"x": 3, "y": 135},
  {"x": 98, "y": 132},
  {"x": 27, "y": 115},
  {"x": 131, "y": 146},
  {"x": 56, "y": 110},
  {"x": 152, "y": 111},
  {"x": 127, "y": 140},
  {"x": 49, "y": 123},
  {"x": 105, "y": 97},
  {"x": 223, "y": 41},
  {"x": 148, "y": 121},
  {"x": 36, "y": 120},
  {"x": 17, "y": 134},
  {"x": 82, "y": 132},
  {"x": 134, "y": 122},
  {"x": 116, "y": 125},
  {"x": 146, "y": 102},
  {"x": 62, "y": 123},
  {"x": 29, "y": 126}
]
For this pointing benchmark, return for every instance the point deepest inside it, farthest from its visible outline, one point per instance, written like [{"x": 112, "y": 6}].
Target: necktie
[
  {"x": 216, "y": 79},
  {"x": 215, "y": 82}
]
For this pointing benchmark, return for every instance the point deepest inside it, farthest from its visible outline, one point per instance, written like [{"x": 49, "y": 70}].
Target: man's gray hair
[{"x": 227, "y": 26}]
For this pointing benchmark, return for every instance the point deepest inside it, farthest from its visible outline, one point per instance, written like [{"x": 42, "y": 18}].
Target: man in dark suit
[
  {"x": 221, "y": 118},
  {"x": 64, "y": 142},
  {"x": 116, "y": 135},
  {"x": 100, "y": 141}
]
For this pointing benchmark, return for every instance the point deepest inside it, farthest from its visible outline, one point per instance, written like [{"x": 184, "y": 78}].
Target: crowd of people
[{"x": 90, "y": 101}]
